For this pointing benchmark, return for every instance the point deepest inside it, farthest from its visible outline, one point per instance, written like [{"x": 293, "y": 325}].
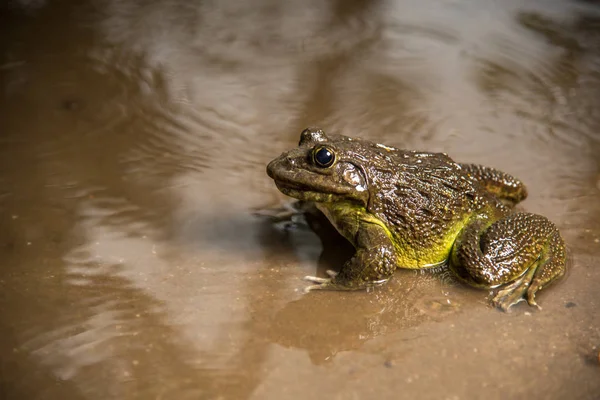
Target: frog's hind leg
[{"x": 521, "y": 254}]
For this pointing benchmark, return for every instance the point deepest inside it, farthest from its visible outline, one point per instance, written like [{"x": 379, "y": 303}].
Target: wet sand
[{"x": 133, "y": 143}]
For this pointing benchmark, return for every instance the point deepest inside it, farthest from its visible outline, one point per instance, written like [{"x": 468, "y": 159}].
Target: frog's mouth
[
  {"x": 304, "y": 192},
  {"x": 289, "y": 186}
]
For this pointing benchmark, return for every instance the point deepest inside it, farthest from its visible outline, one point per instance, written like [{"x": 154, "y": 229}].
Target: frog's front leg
[
  {"x": 373, "y": 263},
  {"x": 521, "y": 253}
]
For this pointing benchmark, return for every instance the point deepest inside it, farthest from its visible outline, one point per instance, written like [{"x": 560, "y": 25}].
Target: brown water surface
[{"x": 134, "y": 137}]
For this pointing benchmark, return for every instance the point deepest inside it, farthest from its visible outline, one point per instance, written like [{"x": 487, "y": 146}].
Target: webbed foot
[
  {"x": 331, "y": 283},
  {"x": 322, "y": 283},
  {"x": 517, "y": 291}
]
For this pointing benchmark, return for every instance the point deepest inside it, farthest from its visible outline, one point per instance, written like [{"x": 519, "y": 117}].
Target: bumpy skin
[{"x": 409, "y": 209}]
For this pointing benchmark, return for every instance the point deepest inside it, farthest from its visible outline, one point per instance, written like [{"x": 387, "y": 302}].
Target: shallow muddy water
[{"x": 134, "y": 135}]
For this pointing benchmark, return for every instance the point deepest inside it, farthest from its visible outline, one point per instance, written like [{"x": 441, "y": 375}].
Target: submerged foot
[
  {"x": 331, "y": 283},
  {"x": 515, "y": 292},
  {"x": 321, "y": 283}
]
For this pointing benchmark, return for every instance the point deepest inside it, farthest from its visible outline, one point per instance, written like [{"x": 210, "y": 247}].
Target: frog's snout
[
  {"x": 270, "y": 167},
  {"x": 278, "y": 164}
]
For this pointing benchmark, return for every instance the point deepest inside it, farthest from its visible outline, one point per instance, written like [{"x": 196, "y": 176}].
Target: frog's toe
[
  {"x": 319, "y": 283},
  {"x": 310, "y": 288},
  {"x": 533, "y": 303},
  {"x": 506, "y": 298},
  {"x": 316, "y": 279},
  {"x": 531, "y": 291},
  {"x": 332, "y": 274}
]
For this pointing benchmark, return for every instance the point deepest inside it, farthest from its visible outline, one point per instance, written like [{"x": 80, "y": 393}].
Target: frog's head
[{"x": 321, "y": 169}]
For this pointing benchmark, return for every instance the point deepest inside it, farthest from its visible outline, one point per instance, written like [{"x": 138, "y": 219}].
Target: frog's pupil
[{"x": 324, "y": 157}]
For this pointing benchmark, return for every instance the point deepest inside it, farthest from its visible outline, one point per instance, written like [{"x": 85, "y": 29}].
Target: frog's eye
[{"x": 323, "y": 156}]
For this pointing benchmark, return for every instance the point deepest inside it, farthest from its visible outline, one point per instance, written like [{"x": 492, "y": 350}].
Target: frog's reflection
[{"x": 325, "y": 323}]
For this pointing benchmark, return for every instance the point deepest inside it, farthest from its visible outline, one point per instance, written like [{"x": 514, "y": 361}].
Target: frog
[{"x": 417, "y": 210}]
